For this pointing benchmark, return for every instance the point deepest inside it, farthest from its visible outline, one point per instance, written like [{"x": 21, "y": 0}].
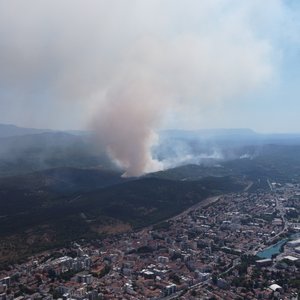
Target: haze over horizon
[
  {"x": 202, "y": 129},
  {"x": 128, "y": 69}
]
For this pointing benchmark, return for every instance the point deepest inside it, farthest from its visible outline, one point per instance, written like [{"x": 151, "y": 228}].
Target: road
[
  {"x": 279, "y": 207},
  {"x": 196, "y": 206},
  {"x": 281, "y": 210}
]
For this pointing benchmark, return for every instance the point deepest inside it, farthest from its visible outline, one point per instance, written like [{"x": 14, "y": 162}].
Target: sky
[{"x": 115, "y": 65}]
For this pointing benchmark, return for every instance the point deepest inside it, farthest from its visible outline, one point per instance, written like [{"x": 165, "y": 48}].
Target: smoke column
[
  {"x": 126, "y": 125},
  {"x": 179, "y": 74},
  {"x": 121, "y": 66}
]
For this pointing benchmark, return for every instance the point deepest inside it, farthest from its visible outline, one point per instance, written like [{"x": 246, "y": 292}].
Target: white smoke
[
  {"x": 180, "y": 73},
  {"x": 191, "y": 158}
]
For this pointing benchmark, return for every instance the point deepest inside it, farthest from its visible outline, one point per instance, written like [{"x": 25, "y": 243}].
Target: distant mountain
[
  {"x": 28, "y": 153},
  {"x": 12, "y": 130},
  {"x": 208, "y": 133},
  {"x": 206, "y": 147},
  {"x": 243, "y": 135},
  {"x": 27, "y": 150},
  {"x": 276, "y": 162},
  {"x": 9, "y": 130}
]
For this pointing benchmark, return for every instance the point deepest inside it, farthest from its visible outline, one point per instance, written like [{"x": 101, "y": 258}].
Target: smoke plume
[
  {"x": 178, "y": 74},
  {"x": 122, "y": 66}
]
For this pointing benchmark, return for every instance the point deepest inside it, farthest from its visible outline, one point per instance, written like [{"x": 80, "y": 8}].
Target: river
[{"x": 274, "y": 249}]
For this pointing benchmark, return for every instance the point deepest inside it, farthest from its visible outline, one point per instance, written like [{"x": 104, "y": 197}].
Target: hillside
[
  {"x": 276, "y": 162},
  {"x": 41, "y": 215},
  {"x": 29, "y": 153},
  {"x": 57, "y": 186},
  {"x": 8, "y": 130}
]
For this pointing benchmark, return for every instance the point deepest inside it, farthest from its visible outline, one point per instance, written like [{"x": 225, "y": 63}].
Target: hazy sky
[{"x": 167, "y": 63}]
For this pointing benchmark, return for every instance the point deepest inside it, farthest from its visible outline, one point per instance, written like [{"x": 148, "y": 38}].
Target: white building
[{"x": 294, "y": 243}]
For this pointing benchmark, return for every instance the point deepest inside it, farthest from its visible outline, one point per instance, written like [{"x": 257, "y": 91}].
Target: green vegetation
[
  {"x": 40, "y": 214},
  {"x": 52, "y": 207}
]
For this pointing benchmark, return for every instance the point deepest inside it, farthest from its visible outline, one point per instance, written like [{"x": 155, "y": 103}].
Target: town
[{"x": 235, "y": 246}]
